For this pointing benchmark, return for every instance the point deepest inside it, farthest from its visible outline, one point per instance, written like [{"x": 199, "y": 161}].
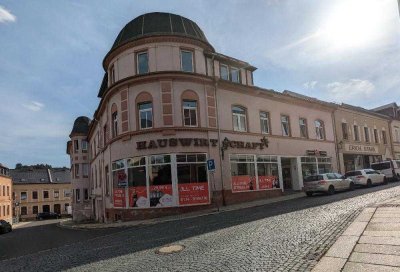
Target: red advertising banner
[
  {"x": 138, "y": 197},
  {"x": 161, "y": 195},
  {"x": 268, "y": 182},
  {"x": 119, "y": 198},
  {"x": 193, "y": 193},
  {"x": 243, "y": 183}
]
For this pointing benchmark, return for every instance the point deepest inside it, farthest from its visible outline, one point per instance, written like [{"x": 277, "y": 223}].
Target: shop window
[
  {"x": 137, "y": 174},
  {"x": 239, "y": 119},
  {"x": 24, "y": 210},
  {"x": 192, "y": 179},
  {"x": 376, "y": 138},
  {"x": 142, "y": 60},
  {"x": 264, "y": 121},
  {"x": 120, "y": 181},
  {"x": 66, "y": 205},
  {"x": 107, "y": 173},
  {"x": 384, "y": 139},
  {"x": 186, "y": 61},
  {"x": 146, "y": 115},
  {"x": 243, "y": 173},
  {"x": 267, "y": 172},
  {"x": 114, "y": 120},
  {"x": 356, "y": 133},
  {"x": 345, "y": 131},
  {"x": 224, "y": 72},
  {"x": 190, "y": 113},
  {"x": 324, "y": 165},
  {"x": 319, "y": 129},
  {"x": 24, "y": 196},
  {"x": 313, "y": 166},
  {"x": 303, "y": 127},
  {"x": 285, "y": 125},
  {"x": 160, "y": 181},
  {"x": 366, "y": 133}
]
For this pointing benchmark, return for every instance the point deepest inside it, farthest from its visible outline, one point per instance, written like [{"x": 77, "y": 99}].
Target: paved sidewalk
[
  {"x": 370, "y": 243},
  {"x": 71, "y": 225}
]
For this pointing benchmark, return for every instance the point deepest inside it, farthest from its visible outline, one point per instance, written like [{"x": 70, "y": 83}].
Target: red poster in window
[
  {"x": 138, "y": 197},
  {"x": 119, "y": 198},
  {"x": 268, "y": 182},
  {"x": 161, "y": 196},
  {"x": 243, "y": 183},
  {"x": 193, "y": 193}
]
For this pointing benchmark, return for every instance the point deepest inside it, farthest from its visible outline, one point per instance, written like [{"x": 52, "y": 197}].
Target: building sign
[
  {"x": 243, "y": 183},
  {"x": 119, "y": 198},
  {"x": 354, "y": 148},
  {"x": 186, "y": 142},
  {"x": 316, "y": 152}
]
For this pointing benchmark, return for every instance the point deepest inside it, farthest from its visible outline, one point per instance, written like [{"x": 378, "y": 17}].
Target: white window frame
[
  {"x": 227, "y": 71},
  {"x": 241, "y": 120},
  {"x": 189, "y": 108},
  {"x": 264, "y": 121},
  {"x": 237, "y": 80},
  {"x": 287, "y": 122},
  {"x": 146, "y": 113},
  {"x": 319, "y": 129},
  {"x": 137, "y": 62},
  {"x": 192, "y": 57},
  {"x": 114, "y": 120},
  {"x": 304, "y": 120}
]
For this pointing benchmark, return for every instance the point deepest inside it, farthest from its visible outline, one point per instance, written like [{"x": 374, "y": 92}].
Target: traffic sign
[{"x": 211, "y": 165}]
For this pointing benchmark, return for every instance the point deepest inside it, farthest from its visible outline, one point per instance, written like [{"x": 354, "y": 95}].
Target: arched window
[
  {"x": 239, "y": 118},
  {"x": 114, "y": 120},
  {"x": 190, "y": 108},
  {"x": 144, "y": 102},
  {"x": 319, "y": 129}
]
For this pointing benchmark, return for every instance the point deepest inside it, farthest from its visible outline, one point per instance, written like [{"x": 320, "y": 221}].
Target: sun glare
[{"x": 354, "y": 23}]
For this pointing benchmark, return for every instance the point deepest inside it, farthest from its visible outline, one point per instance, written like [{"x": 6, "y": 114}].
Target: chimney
[{"x": 49, "y": 173}]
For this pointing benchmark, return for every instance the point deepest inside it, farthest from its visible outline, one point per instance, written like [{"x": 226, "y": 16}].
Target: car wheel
[
  {"x": 331, "y": 190},
  {"x": 351, "y": 187},
  {"x": 369, "y": 183},
  {"x": 309, "y": 193}
]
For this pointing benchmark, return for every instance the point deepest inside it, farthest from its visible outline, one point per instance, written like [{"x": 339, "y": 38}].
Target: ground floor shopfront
[
  {"x": 177, "y": 180},
  {"x": 357, "y": 156}
]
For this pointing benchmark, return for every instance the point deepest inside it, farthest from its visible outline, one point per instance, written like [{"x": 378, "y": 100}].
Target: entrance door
[
  {"x": 57, "y": 208},
  {"x": 286, "y": 173}
]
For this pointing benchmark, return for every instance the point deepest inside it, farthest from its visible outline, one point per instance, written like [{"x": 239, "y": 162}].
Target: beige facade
[
  {"x": 395, "y": 126},
  {"x": 363, "y": 137},
  {"x": 37, "y": 198},
  {"x": 5, "y": 195}
]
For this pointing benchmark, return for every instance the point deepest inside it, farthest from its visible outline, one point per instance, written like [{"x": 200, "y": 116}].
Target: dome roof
[
  {"x": 159, "y": 23},
  {"x": 81, "y": 125}
]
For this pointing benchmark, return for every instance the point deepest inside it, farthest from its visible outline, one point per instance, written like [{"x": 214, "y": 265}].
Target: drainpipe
[
  {"x": 336, "y": 142},
  {"x": 219, "y": 131}
]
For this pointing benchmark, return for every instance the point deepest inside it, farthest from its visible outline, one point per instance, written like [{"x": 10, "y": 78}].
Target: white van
[{"x": 390, "y": 168}]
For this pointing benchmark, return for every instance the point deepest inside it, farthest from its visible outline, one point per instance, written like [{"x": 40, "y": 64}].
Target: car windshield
[{"x": 313, "y": 178}]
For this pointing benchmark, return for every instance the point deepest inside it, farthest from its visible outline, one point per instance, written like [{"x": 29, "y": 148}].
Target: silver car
[
  {"x": 366, "y": 177},
  {"x": 327, "y": 183}
]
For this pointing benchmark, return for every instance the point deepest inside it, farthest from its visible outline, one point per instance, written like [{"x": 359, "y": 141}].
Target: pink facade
[{"x": 154, "y": 130}]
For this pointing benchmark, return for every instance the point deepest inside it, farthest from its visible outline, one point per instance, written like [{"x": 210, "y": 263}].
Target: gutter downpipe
[
  {"x": 336, "y": 141},
  {"x": 219, "y": 132}
]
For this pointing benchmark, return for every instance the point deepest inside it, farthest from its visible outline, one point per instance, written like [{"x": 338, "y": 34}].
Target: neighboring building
[
  {"x": 5, "y": 194},
  {"x": 78, "y": 150},
  {"x": 363, "y": 137},
  {"x": 168, "y": 103},
  {"x": 41, "y": 190},
  {"x": 393, "y": 111}
]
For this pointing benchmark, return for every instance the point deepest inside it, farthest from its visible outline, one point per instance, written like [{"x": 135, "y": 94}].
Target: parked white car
[
  {"x": 366, "y": 177},
  {"x": 327, "y": 183},
  {"x": 390, "y": 168}
]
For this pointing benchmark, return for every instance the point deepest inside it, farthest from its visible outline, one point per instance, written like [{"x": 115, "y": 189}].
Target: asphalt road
[{"x": 282, "y": 236}]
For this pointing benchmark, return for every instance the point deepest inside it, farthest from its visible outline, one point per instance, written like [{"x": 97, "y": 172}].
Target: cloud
[
  {"x": 6, "y": 16},
  {"x": 350, "y": 90},
  {"x": 310, "y": 84},
  {"x": 34, "y": 106}
]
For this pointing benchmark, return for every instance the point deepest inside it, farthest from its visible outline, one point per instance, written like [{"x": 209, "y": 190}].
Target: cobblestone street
[{"x": 284, "y": 236}]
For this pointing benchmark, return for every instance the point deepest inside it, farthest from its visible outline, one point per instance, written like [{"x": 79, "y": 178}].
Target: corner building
[{"x": 169, "y": 102}]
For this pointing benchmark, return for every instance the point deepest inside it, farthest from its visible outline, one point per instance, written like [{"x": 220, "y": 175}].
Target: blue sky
[{"x": 51, "y": 54}]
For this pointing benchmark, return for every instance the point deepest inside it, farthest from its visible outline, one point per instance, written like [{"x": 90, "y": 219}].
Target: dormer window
[
  {"x": 142, "y": 60},
  {"x": 187, "y": 61},
  {"x": 229, "y": 73}
]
